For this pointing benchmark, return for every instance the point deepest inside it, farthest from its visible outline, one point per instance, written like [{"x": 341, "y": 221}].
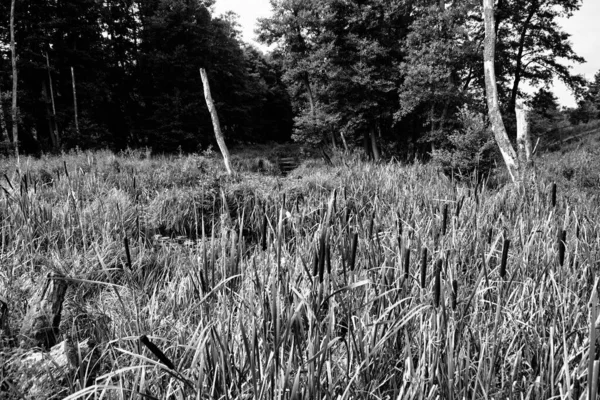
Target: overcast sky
[{"x": 584, "y": 27}]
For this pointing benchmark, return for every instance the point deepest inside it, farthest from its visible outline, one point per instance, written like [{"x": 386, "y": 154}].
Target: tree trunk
[
  {"x": 344, "y": 141},
  {"x": 500, "y": 135},
  {"x": 48, "y": 103},
  {"x": 13, "y": 56},
  {"x": 215, "y": 120},
  {"x": 56, "y": 142},
  {"x": 311, "y": 97},
  {"x": 3, "y": 128},
  {"x": 374, "y": 147},
  {"x": 523, "y": 136},
  {"x": 367, "y": 145},
  {"x": 75, "y": 101}
]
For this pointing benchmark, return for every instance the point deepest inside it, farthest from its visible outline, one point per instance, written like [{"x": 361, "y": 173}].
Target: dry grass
[{"x": 296, "y": 288}]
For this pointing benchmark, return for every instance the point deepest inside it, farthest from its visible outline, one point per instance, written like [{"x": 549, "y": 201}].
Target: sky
[{"x": 584, "y": 27}]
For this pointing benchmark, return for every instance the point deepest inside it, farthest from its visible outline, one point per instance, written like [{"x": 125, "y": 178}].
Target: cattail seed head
[
  {"x": 504, "y": 258},
  {"x": 423, "y": 268},
  {"x": 562, "y": 238},
  {"x": 437, "y": 283}
]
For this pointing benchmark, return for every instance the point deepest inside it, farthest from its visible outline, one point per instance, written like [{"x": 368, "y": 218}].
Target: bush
[{"x": 471, "y": 149}]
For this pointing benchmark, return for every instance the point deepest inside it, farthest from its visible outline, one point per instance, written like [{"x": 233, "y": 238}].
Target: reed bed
[{"x": 347, "y": 281}]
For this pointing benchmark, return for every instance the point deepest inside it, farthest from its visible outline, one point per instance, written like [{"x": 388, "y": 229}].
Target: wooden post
[
  {"x": 75, "y": 101},
  {"x": 491, "y": 90},
  {"x": 13, "y": 56},
  {"x": 56, "y": 142},
  {"x": 215, "y": 120}
]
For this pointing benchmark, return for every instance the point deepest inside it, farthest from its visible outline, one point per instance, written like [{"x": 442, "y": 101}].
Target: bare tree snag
[
  {"x": 508, "y": 153},
  {"x": 374, "y": 147},
  {"x": 75, "y": 101},
  {"x": 56, "y": 137},
  {"x": 41, "y": 322},
  {"x": 215, "y": 121},
  {"x": 523, "y": 136},
  {"x": 13, "y": 57}
]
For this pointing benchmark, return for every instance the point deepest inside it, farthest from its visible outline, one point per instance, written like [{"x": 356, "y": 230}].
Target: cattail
[
  {"x": 264, "y": 232},
  {"x": 459, "y": 206},
  {"x": 316, "y": 263},
  {"x": 553, "y": 195},
  {"x": 406, "y": 263},
  {"x": 371, "y": 224},
  {"x": 66, "y": 170},
  {"x": 444, "y": 219},
  {"x": 127, "y": 253},
  {"x": 504, "y": 258},
  {"x": 437, "y": 284},
  {"x": 328, "y": 257},
  {"x": 423, "y": 268},
  {"x": 490, "y": 232},
  {"x": 353, "y": 253},
  {"x": 156, "y": 351},
  {"x": 454, "y": 293},
  {"x": 562, "y": 239},
  {"x": 322, "y": 245}
]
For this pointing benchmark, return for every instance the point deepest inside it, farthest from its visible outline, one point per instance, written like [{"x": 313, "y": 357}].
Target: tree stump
[
  {"x": 40, "y": 326},
  {"x": 41, "y": 374}
]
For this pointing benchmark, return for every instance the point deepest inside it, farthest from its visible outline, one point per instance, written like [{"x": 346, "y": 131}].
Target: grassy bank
[{"x": 350, "y": 281}]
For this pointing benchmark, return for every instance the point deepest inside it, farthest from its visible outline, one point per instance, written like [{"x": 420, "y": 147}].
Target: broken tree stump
[{"x": 40, "y": 325}]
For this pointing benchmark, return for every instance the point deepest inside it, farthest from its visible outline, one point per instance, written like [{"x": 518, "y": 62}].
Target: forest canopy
[{"x": 404, "y": 73}]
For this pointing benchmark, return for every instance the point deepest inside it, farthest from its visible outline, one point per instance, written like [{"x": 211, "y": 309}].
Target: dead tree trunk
[
  {"x": 374, "y": 146},
  {"x": 215, "y": 120},
  {"x": 524, "y": 151},
  {"x": 75, "y": 101},
  {"x": 13, "y": 57},
  {"x": 56, "y": 141},
  {"x": 40, "y": 326},
  {"x": 500, "y": 135}
]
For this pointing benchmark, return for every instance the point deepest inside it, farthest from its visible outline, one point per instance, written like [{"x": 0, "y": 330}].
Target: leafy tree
[{"x": 534, "y": 44}]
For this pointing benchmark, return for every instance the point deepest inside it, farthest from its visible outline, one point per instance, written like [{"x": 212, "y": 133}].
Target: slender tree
[
  {"x": 508, "y": 153},
  {"x": 13, "y": 55},
  {"x": 215, "y": 120},
  {"x": 75, "y": 101}
]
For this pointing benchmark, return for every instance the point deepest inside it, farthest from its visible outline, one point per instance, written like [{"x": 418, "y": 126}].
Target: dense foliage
[
  {"x": 136, "y": 69},
  {"x": 393, "y": 76}
]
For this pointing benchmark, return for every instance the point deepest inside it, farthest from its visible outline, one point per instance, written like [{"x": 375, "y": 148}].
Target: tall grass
[{"x": 351, "y": 281}]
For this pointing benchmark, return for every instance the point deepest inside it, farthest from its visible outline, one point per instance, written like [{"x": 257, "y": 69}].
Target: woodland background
[{"x": 398, "y": 77}]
